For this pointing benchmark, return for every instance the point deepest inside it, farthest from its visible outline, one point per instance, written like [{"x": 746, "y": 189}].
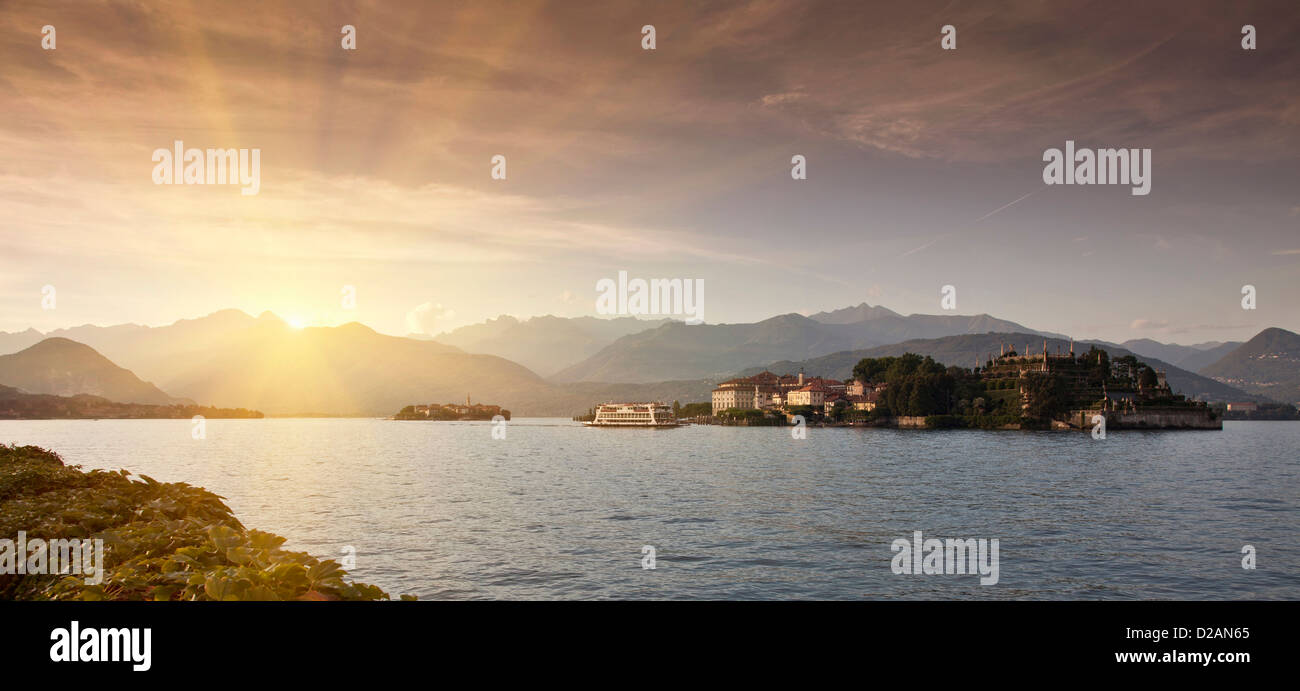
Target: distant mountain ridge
[
  {"x": 852, "y": 315},
  {"x": 231, "y": 359},
  {"x": 968, "y": 349},
  {"x": 1267, "y": 365},
  {"x": 164, "y": 353},
  {"x": 1192, "y": 357},
  {"x": 62, "y": 367},
  {"x": 677, "y": 350},
  {"x": 545, "y": 344}
]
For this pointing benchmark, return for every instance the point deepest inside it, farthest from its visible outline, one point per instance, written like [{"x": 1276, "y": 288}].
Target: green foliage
[
  {"x": 994, "y": 421},
  {"x": 751, "y": 417},
  {"x": 162, "y": 541},
  {"x": 1048, "y": 395},
  {"x": 695, "y": 409},
  {"x": 916, "y": 385},
  {"x": 808, "y": 412},
  {"x": 1098, "y": 366}
]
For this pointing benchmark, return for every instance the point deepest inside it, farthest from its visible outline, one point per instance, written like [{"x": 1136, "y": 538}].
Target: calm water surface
[{"x": 556, "y": 510}]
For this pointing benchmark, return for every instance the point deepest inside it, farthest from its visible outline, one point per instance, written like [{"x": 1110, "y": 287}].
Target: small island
[
  {"x": 452, "y": 412},
  {"x": 1011, "y": 391}
]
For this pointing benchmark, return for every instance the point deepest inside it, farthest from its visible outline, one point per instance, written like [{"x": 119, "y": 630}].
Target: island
[
  {"x": 1038, "y": 390},
  {"x": 452, "y": 412}
]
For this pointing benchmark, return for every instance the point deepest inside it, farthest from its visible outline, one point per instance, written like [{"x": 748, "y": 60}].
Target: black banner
[{"x": 942, "y": 641}]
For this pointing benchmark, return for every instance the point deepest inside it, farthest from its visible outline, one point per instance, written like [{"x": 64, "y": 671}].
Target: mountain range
[
  {"x": 678, "y": 350},
  {"x": 231, "y": 359},
  {"x": 1192, "y": 357}
]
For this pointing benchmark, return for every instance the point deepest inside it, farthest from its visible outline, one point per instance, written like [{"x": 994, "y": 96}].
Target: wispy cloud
[{"x": 1148, "y": 324}]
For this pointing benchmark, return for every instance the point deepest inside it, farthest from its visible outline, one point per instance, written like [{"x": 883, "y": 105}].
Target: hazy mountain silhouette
[
  {"x": 679, "y": 350},
  {"x": 62, "y": 367},
  {"x": 14, "y": 342},
  {"x": 545, "y": 344},
  {"x": 852, "y": 315},
  {"x": 231, "y": 359},
  {"x": 1188, "y": 357}
]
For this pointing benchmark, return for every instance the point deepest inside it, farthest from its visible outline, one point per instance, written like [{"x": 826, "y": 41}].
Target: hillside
[
  {"x": 967, "y": 350},
  {"x": 677, "y": 351},
  {"x": 62, "y": 367},
  {"x": 1268, "y": 365}
]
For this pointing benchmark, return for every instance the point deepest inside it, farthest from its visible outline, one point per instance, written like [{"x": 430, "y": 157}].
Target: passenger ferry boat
[{"x": 634, "y": 415}]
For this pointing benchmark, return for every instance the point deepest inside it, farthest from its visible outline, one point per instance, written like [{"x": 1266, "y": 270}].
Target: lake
[{"x": 554, "y": 510}]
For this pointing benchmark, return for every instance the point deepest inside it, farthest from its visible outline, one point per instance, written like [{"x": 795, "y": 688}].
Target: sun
[{"x": 297, "y": 323}]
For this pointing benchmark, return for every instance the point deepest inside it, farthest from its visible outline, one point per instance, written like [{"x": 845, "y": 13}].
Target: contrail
[
  {"x": 981, "y": 218},
  {"x": 918, "y": 249}
]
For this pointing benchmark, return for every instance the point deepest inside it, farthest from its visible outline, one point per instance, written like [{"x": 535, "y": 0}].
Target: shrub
[{"x": 162, "y": 541}]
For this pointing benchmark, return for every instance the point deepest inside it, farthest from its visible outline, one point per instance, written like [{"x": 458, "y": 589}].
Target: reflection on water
[{"x": 556, "y": 510}]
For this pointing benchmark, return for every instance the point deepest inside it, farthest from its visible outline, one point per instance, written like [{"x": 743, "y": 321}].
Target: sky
[{"x": 924, "y": 165}]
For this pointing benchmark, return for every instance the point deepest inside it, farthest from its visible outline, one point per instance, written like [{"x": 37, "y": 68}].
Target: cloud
[
  {"x": 1148, "y": 324},
  {"x": 423, "y": 318},
  {"x": 778, "y": 99}
]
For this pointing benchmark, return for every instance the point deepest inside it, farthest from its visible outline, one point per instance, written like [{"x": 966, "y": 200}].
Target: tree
[
  {"x": 869, "y": 369},
  {"x": 1148, "y": 379},
  {"x": 1047, "y": 395},
  {"x": 916, "y": 385},
  {"x": 1098, "y": 364}
]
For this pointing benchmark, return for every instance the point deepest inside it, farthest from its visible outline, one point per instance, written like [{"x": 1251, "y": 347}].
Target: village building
[
  {"x": 813, "y": 394},
  {"x": 766, "y": 390}
]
